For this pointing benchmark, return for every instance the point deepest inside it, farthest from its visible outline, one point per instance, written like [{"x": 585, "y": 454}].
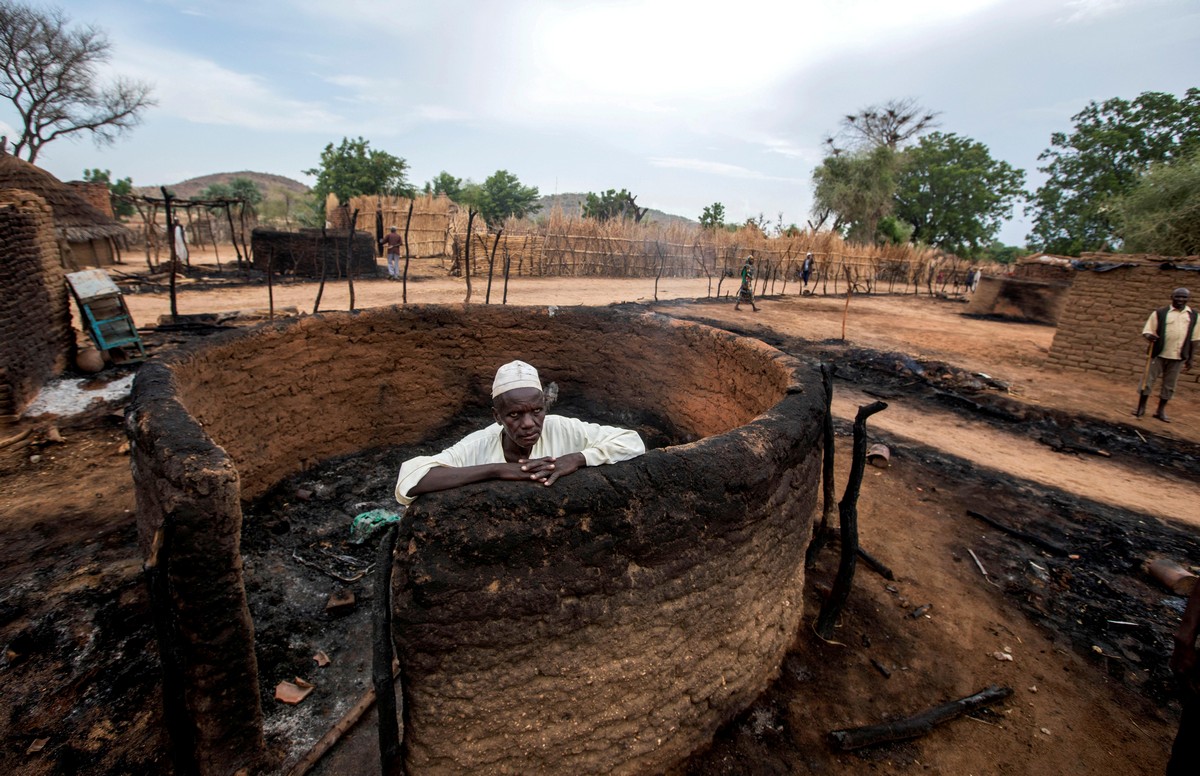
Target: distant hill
[
  {"x": 572, "y": 205},
  {"x": 193, "y": 186}
]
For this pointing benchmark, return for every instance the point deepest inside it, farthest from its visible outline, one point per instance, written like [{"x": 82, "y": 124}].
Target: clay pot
[{"x": 89, "y": 360}]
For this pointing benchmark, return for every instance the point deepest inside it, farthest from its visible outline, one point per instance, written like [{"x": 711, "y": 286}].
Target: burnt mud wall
[
  {"x": 608, "y": 624},
  {"x": 1101, "y": 326},
  {"x": 304, "y": 253},
  {"x": 1021, "y": 299},
  {"x": 36, "y": 337}
]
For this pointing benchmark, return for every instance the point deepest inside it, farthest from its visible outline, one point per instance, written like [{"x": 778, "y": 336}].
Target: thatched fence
[{"x": 578, "y": 247}]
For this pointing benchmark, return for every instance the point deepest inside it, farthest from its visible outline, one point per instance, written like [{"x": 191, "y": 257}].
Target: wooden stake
[
  {"x": 848, "y": 514},
  {"x": 918, "y": 724}
]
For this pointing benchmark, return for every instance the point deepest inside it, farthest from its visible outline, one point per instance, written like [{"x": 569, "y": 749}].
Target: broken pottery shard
[
  {"x": 292, "y": 692},
  {"x": 321, "y": 658},
  {"x": 37, "y": 745},
  {"x": 879, "y": 455},
  {"x": 1002, "y": 656}
]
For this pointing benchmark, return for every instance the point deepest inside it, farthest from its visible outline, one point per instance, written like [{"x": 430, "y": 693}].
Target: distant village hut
[
  {"x": 428, "y": 220},
  {"x": 91, "y": 238},
  {"x": 313, "y": 252},
  {"x": 1111, "y": 297}
]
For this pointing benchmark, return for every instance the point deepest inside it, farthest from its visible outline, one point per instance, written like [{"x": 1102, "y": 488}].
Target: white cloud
[
  {"x": 204, "y": 92},
  {"x": 714, "y": 168},
  {"x": 1091, "y": 10}
]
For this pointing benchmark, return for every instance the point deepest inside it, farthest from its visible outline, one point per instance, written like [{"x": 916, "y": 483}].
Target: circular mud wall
[{"x": 608, "y": 624}]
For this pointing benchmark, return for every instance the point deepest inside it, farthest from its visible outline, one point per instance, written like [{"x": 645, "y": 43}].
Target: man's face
[
  {"x": 521, "y": 411},
  {"x": 1179, "y": 299}
]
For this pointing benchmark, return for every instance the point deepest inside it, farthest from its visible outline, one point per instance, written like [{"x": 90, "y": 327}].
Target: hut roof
[{"x": 75, "y": 219}]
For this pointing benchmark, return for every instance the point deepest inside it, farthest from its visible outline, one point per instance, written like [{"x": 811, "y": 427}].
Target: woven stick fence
[{"x": 559, "y": 245}]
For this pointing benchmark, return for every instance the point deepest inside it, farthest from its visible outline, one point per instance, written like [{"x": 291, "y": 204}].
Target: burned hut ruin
[{"x": 608, "y": 624}]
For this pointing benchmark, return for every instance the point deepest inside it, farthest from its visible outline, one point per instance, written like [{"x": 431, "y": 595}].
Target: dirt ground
[{"x": 976, "y": 421}]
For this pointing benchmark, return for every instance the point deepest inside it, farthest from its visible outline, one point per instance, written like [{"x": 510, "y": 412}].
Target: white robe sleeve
[
  {"x": 598, "y": 444},
  {"x": 479, "y": 447}
]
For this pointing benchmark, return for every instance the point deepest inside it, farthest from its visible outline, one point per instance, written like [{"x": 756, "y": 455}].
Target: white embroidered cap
[{"x": 515, "y": 374}]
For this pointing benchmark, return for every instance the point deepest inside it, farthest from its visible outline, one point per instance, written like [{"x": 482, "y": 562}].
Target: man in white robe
[{"x": 523, "y": 444}]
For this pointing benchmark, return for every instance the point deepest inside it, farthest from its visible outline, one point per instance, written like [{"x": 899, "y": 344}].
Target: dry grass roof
[{"x": 75, "y": 219}]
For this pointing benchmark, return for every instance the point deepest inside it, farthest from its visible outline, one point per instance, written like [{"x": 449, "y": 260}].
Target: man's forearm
[{"x": 447, "y": 477}]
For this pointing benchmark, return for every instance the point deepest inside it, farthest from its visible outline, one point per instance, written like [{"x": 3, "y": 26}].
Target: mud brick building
[
  {"x": 304, "y": 253},
  {"x": 1100, "y": 329},
  {"x": 36, "y": 337}
]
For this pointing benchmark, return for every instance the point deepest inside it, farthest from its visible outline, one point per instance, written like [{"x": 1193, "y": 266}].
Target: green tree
[
  {"x": 613, "y": 204},
  {"x": 354, "y": 168},
  {"x": 855, "y": 190},
  {"x": 500, "y": 197},
  {"x": 48, "y": 72},
  {"x": 1004, "y": 254},
  {"x": 1161, "y": 212},
  {"x": 1112, "y": 144},
  {"x": 445, "y": 183},
  {"x": 246, "y": 190},
  {"x": 713, "y": 216},
  {"x": 954, "y": 194},
  {"x": 118, "y": 188},
  {"x": 216, "y": 191}
]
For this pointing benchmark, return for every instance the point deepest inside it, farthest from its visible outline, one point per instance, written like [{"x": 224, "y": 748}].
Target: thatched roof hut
[{"x": 91, "y": 235}]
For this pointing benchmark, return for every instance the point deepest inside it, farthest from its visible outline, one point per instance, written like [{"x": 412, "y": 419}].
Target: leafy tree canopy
[
  {"x": 118, "y": 188},
  {"x": 354, "y": 168},
  {"x": 216, "y": 191},
  {"x": 1161, "y": 212},
  {"x": 48, "y": 71},
  {"x": 445, "y": 183},
  {"x": 1112, "y": 144},
  {"x": 500, "y": 197},
  {"x": 954, "y": 194},
  {"x": 713, "y": 216},
  {"x": 855, "y": 190},
  {"x": 1004, "y": 254},
  {"x": 613, "y": 204}
]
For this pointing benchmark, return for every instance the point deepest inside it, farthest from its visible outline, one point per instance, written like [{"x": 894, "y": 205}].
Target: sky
[{"x": 683, "y": 102}]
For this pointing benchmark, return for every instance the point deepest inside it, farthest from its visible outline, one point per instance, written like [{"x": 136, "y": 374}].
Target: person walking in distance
[
  {"x": 392, "y": 243},
  {"x": 1172, "y": 334},
  {"x": 806, "y": 268},
  {"x": 746, "y": 292}
]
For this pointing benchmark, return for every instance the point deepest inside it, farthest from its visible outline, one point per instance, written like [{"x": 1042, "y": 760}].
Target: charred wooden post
[
  {"x": 487, "y": 297},
  {"x": 350, "y": 256},
  {"x": 382, "y": 654},
  {"x": 467, "y": 253},
  {"x": 824, "y": 530},
  {"x": 233, "y": 234},
  {"x": 171, "y": 246},
  {"x": 918, "y": 724},
  {"x": 321, "y": 285},
  {"x": 848, "y": 514},
  {"x": 407, "y": 255}
]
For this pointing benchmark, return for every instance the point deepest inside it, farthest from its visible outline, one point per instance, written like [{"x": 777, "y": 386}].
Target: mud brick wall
[
  {"x": 1038, "y": 271},
  {"x": 1021, "y": 299},
  {"x": 304, "y": 253},
  {"x": 609, "y": 624},
  {"x": 1101, "y": 326},
  {"x": 36, "y": 337}
]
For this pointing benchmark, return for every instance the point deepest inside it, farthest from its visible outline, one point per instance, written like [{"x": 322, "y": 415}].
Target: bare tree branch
[{"x": 48, "y": 73}]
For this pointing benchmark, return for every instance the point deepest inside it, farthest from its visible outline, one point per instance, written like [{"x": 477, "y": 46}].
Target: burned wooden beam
[{"x": 918, "y": 724}]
